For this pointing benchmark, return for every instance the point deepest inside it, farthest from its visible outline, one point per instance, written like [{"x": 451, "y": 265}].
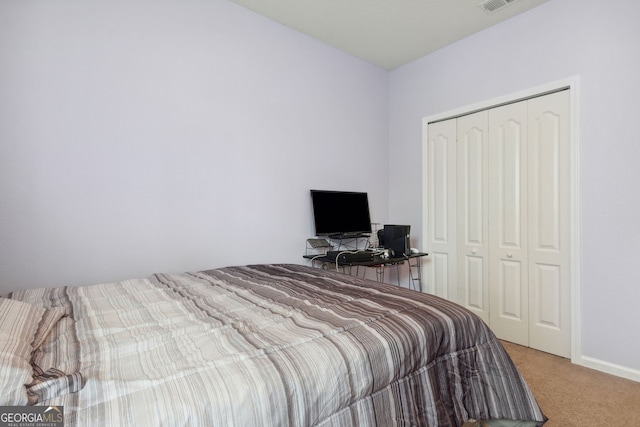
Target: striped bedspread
[{"x": 272, "y": 345}]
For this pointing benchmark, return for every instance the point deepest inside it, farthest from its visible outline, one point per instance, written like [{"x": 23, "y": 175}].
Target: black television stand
[
  {"x": 349, "y": 241},
  {"x": 341, "y": 236}
]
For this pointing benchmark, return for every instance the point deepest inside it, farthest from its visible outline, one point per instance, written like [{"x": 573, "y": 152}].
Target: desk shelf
[{"x": 380, "y": 263}]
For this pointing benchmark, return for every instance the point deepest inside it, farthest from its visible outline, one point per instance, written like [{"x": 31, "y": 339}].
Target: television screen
[{"x": 340, "y": 212}]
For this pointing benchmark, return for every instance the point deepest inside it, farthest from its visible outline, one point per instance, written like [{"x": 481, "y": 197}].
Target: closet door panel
[
  {"x": 441, "y": 271},
  {"x": 472, "y": 215},
  {"x": 510, "y": 288},
  {"x": 508, "y": 267},
  {"x": 549, "y": 223},
  {"x": 509, "y": 149},
  {"x": 475, "y": 286},
  {"x": 546, "y": 283}
]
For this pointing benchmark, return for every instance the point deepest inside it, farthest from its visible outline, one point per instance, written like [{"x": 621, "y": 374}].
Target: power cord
[{"x": 343, "y": 252}]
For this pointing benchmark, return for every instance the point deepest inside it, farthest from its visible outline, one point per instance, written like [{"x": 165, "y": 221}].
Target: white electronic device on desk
[
  {"x": 318, "y": 246},
  {"x": 318, "y": 243}
]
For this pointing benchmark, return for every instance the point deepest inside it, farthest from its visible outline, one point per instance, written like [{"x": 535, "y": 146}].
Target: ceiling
[{"x": 389, "y": 33}]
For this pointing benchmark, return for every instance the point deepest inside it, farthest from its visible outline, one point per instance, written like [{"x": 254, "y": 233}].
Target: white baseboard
[{"x": 610, "y": 368}]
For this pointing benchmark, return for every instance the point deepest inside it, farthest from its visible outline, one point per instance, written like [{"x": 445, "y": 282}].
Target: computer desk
[{"x": 380, "y": 263}]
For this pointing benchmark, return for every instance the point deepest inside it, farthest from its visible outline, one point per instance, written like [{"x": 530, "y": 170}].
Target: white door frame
[{"x": 572, "y": 83}]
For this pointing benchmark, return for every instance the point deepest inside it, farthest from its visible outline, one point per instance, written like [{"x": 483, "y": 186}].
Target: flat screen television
[{"x": 340, "y": 213}]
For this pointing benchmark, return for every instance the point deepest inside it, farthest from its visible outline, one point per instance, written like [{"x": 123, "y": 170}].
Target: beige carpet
[{"x": 572, "y": 395}]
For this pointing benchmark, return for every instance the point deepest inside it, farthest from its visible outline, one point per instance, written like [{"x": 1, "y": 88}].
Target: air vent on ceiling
[{"x": 491, "y": 6}]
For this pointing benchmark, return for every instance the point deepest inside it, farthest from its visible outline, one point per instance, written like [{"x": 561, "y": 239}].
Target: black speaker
[{"x": 396, "y": 239}]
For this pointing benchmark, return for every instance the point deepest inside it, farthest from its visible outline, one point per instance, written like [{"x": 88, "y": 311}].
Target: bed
[{"x": 255, "y": 345}]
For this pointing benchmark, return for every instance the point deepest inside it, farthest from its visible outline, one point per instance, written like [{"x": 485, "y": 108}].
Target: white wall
[
  {"x": 172, "y": 135},
  {"x": 562, "y": 38}
]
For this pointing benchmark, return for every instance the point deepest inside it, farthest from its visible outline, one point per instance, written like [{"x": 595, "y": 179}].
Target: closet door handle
[
  {"x": 474, "y": 251},
  {"x": 509, "y": 255}
]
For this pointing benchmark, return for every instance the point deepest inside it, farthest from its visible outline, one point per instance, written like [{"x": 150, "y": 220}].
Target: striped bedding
[{"x": 269, "y": 345}]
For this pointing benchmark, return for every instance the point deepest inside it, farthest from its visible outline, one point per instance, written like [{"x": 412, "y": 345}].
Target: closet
[{"x": 498, "y": 218}]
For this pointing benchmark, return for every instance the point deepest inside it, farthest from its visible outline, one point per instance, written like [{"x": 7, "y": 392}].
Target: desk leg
[{"x": 418, "y": 279}]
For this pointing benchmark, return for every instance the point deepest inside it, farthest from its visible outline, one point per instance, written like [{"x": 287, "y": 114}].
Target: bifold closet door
[
  {"x": 472, "y": 213},
  {"x": 498, "y": 218},
  {"x": 441, "y": 185},
  {"x": 529, "y": 196},
  {"x": 549, "y": 228},
  {"x": 508, "y": 268}
]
